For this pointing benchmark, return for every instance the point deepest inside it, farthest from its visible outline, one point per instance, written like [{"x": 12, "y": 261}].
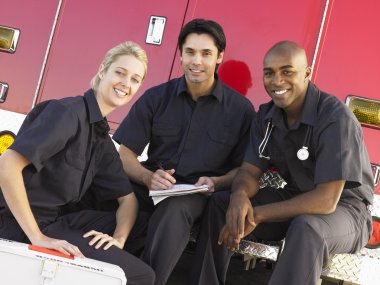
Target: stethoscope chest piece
[{"x": 303, "y": 153}]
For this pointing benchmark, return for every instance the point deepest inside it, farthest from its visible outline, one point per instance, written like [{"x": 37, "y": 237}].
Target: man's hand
[
  {"x": 162, "y": 179},
  {"x": 100, "y": 239},
  {"x": 239, "y": 221},
  {"x": 206, "y": 181}
]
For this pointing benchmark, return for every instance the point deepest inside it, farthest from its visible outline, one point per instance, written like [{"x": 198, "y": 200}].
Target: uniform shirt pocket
[
  {"x": 165, "y": 139},
  {"x": 218, "y": 147}
]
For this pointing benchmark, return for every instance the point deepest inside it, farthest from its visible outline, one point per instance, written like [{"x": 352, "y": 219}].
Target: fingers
[
  {"x": 233, "y": 218},
  {"x": 223, "y": 235},
  {"x": 250, "y": 217},
  {"x": 228, "y": 240},
  {"x": 99, "y": 239},
  {"x": 240, "y": 225},
  {"x": 69, "y": 249},
  {"x": 162, "y": 179},
  {"x": 250, "y": 223},
  {"x": 60, "y": 245},
  {"x": 206, "y": 181},
  {"x": 233, "y": 239}
]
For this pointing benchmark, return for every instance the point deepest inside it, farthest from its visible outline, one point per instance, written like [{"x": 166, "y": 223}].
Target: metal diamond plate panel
[
  {"x": 272, "y": 179},
  {"x": 258, "y": 250},
  {"x": 362, "y": 268},
  {"x": 376, "y": 207}
]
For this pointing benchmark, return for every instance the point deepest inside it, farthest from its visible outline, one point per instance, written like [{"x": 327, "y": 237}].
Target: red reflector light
[{"x": 6, "y": 139}]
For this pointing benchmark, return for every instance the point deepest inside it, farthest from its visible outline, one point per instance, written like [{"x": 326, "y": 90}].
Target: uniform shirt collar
[
  {"x": 93, "y": 110},
  {"x": 308, "y": 114},
  {"x": 217, "y": 91}
]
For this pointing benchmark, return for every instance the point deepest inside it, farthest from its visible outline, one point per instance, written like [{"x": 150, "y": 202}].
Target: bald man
[{"x": 315, "y": 143}]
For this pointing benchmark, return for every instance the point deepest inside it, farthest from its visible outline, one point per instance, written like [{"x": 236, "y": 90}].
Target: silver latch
[
  {"x": 49, "y": 269},
  {"x": 155, "y": 30},
  {"x": 3, "y": 91},
  {"x": 376, "y": 173}
]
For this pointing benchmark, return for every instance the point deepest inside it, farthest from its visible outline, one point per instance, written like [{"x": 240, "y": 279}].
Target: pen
[{"x": 160, "y": 166}]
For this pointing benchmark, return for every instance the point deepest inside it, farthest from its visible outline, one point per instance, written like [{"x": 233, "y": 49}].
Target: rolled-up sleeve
[
  {"x": 45, "y": 132},
  {"x": 338, "y": 153}
]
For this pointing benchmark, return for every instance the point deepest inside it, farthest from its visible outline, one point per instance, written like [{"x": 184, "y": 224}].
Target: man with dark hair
[
  {"x": 316, "y": 144},
  {"x": 201, "y": 26},
  {"x": 197, "y": 129}
]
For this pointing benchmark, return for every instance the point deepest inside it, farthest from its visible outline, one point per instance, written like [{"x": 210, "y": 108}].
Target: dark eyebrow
[
  {"x": 286, "y": 66},
  {"x": 282, "y": 67},
  {"x": 203, "y": 50}
]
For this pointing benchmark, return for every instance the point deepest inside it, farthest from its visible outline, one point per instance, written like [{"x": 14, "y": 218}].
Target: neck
[
  {"x": 103, "y": 107},
  {"x": 200, "y": 89},
  {"x": 291, "y": 119}
]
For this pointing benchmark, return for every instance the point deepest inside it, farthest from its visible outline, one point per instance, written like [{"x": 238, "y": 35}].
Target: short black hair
[{"x": 203, "y": 26}]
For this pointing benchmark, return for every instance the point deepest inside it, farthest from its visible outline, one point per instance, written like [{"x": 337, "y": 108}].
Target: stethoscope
[{"x": 302, "y": 153}]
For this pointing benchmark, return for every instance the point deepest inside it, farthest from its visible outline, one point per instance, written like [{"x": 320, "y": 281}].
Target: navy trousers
[
  {"x": 168, "y": 230},
  {"x": 309, "y": 239}
]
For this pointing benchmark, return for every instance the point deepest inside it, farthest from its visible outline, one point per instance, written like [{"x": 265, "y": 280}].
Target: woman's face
[{"x": 119, "y": 83}]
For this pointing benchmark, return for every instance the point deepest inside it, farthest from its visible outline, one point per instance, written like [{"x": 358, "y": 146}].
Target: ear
[
  {"x": 220, "y": 57},
  {"x": 101, "y": 71},
  {"x": 308, "y": 73}
]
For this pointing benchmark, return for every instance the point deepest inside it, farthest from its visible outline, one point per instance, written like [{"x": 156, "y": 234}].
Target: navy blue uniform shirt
[
  {"x": 70, "y": 151},
  {"x": 203, "y": 138},
  {"x": 337, "y": 150}
]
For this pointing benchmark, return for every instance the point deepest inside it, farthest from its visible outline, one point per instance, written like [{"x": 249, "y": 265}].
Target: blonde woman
[{"x": 62, "y": 150}]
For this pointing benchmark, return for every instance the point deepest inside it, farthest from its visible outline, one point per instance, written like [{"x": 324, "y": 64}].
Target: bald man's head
[
  {"x": 290, "y": 48},
  {"x": 286, "y": 75}
]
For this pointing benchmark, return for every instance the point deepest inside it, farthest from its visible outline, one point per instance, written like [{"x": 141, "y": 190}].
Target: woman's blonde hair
[{"x": 126, "y": 48}]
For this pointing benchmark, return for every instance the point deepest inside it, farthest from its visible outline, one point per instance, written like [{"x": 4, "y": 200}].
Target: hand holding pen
[{"x": 162, "y": 179}]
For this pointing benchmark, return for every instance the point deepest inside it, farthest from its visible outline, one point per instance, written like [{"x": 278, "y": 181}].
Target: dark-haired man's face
[{"x": 199, "y": 59}]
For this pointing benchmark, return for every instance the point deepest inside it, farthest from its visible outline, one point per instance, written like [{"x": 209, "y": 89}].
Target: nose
[
  {"x": 277, "y": 79},
  {"x": 126, "y": 82},
  {"x": 197, "y": 59}
]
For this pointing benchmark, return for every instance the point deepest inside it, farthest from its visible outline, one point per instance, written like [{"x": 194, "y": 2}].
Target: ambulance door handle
[
  {"x": 3, "y": 91},
  {"x": 155, "y": 30}
]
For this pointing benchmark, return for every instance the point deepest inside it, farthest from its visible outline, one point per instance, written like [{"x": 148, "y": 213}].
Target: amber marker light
[
  {"x": 6, "y": 139},
  {"x": 367, "y": 111}
]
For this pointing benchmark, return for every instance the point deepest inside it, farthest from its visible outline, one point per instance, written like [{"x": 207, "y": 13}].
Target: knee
[
  {"x": 306, "y": 226},
  {"x": 142, "y": 276},
  {"x": 188, "y": 207},
  {"x": 148, "y": 279}
]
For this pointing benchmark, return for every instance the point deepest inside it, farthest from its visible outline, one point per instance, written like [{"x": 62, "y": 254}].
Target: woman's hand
[
  {"x": 100, "y": 239},
  {"x": 57, "y": 244}
]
